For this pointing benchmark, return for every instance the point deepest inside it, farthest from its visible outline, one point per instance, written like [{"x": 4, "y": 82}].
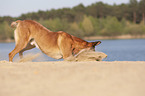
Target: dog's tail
[{"x": 15, "y": 23}]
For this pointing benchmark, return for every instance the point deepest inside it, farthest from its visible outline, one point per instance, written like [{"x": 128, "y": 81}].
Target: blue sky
[{"x": 17, "y": 7}]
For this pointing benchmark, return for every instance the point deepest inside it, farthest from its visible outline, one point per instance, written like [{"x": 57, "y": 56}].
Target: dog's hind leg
[
  {"x": 21, "y": 39},
  {"x": 17, "y": 49}
]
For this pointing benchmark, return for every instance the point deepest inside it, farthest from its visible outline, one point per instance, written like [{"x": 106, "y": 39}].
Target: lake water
[{"x": 117, "y": 50}]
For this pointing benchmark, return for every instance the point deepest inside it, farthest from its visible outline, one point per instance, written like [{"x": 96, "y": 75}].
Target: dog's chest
[{"x": 49, "y": 51}]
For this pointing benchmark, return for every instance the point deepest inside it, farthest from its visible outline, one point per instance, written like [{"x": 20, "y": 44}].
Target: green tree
[
  {"x": 75, "y": 30},
  {"x": 8, "y": 30},
  {"x": 112, "y": 27},
  {"x": 79, "y": 12},
  {"x": 96, "y": 22},
  {"x": 142, "y": 9},
  {"x": 134, "y": 7},
  {"x": 55, "y": 24},
  {"x": 2, "y": 33},
  {"x": 87, "y": 26}
]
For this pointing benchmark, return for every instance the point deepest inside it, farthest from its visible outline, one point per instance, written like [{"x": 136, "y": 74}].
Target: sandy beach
[{"x": 118, "y": 78}]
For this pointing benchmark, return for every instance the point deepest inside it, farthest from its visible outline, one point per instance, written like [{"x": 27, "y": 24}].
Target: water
[
  {"x": 123, "y": 50},
  {"x": 117, "y": 50}
]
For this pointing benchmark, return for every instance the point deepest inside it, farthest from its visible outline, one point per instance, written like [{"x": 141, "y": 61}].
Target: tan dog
[{"x": 29, "y": 34}]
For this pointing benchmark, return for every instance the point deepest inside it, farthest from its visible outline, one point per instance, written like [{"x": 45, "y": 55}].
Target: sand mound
[
  {"x": 87, "y": 55},
  {"x": 4, "y": 61},
  {"x": 29, "y": 57},
  {"x": 91, "y": 56}
]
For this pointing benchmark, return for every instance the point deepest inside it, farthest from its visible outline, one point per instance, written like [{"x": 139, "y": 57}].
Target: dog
[{"x": 30, "y": 34}]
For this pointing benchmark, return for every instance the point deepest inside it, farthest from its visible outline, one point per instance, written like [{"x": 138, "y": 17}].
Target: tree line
[{"x": 97, "y": 19}]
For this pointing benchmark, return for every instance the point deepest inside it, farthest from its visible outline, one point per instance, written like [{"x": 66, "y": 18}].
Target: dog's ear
[{"x": 96, "y": 43}]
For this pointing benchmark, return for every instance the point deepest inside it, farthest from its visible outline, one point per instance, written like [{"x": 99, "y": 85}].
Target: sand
[{"x": 61, "y": 78}]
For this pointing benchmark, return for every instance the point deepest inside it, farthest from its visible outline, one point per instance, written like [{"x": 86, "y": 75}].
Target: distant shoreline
[
  {"x": 96, "y": 38},
  {"x": 115, "y": 37},
  {"x": 7, "y": 41}
]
